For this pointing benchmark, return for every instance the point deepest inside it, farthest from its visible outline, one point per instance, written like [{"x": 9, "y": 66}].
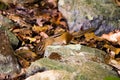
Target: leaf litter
[{"x": 38, "y": 24}]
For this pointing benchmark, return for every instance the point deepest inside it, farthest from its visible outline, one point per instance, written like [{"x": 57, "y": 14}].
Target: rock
[
  {"x": 52, "y": 75},
  {"x": 13, "y": 39},
  {"x": 48, "y": 64},
  {"x": 90, "y": 13},
  {"x": 4, "y": 21},
  {"x": 88, "y": 61},
  {"x": 82, "y": 62},
  {"x": 8, "y": 62},
  {"x": 5, "y": 25}
]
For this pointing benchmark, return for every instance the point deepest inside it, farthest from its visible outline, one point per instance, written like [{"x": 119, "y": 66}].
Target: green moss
[
  {"x": 112, "y": 78},
  {"x": 80, "y": 77},
  {"x": 56, "y": 65},
  {"x": 88, "y": 1},
  {"x": 13, "y": 39}
]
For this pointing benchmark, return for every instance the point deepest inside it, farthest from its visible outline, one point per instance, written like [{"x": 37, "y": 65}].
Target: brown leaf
[
  {"x": 18, "y": 20},
  {"x": 39, "y": 29},
  {"x": 89, "y": 36},
  {"x": 112, "y": 48},
  {"x": 44, "y": 35},
  {"x": 31, "y": 39},
  {"x": 23, "y": 31},
  {"x": 112, "y": 36},
  {"x": 24, "y": 63},
  {"x": 39, "y": 21},
  {"x": 55, "y": 56},
  {"x": 115, "y": 63},
  {"x": 26, "y": 54}
]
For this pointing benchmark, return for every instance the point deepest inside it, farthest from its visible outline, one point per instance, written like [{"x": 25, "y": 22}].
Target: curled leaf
[
  {"x": 26, "y": 54},
  {"x": 112, "y": 48},
  {"x": 112, "y": 36},
  {"x": 89, "y": 36},
  {"x": 38, "y": 29}
]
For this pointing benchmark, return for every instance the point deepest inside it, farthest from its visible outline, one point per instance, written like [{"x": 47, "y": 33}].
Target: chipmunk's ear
[{"x": 117, "y": 2}]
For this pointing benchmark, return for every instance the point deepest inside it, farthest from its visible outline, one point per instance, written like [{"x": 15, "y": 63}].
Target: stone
[
  {"x": 13, "y": 39},
  {"x": 84, "y": 63},
  {"x": 8, "y": 62},
  {"x": 5, "y": 25},
  {"x": 88, "y": 61},
  {"x": 52, "y": 75},
  {"x": 90, "y": 13},
  {"x": 4, "y": 21}
]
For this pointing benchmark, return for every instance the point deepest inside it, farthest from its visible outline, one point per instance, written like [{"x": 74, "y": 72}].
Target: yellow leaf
[
  {"x": 112, "y": 48},
  {"x": 31, "y": 39},
  {"x": 89, "y": 36},
  {"x": 38, "y": 29},
  {"x": 26, "y": 54}
]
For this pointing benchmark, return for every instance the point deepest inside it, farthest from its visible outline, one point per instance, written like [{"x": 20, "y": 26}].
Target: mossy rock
[{"x": 12, "y": 38}]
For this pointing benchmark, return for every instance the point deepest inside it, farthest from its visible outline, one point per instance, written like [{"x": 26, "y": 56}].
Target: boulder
[
  {"x": 81, "y": 62},
  {"x": 5, "y": 25},
  {"x": 52, "y": 75},
  {"x": 4, "y": 21},
  {"x": 9, "y": 66},
  {"x": 83, "y": 14}
]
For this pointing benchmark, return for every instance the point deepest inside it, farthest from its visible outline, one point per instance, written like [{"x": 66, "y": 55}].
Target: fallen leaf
[
  {"x": 39, "y": 29},
  {"x": 89, "y": 36},
  {"x": 44, "y": 35},
  {"x": 112, "y": 48},
  {"x": 112, "y": 36},
  {"x": 26, "y": 54},
  {"x": 55, "y": 56},
  {"x": 31, "y": 39}
]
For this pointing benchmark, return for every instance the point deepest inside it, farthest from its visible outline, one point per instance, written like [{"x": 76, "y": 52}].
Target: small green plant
[{"x": 112, "y": 78}]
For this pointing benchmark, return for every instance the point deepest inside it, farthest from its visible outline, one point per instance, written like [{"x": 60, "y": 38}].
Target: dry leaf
[
  {"x": 115, "y": 63},
  {"x": 89, "y": 36},
  {"x": 55, "y": 56},
  {"x": 44, "y": 35},
  {"x": 112, "y": 48},
  {"x": 39, "y": 21},
  {"x": 39, "y": 29},
  {"x": 115, "y": 37},
  {"x": 18, "y": 20},
  {"x": 26, "y": 54},
  {"x": 31, "y": 39}
]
